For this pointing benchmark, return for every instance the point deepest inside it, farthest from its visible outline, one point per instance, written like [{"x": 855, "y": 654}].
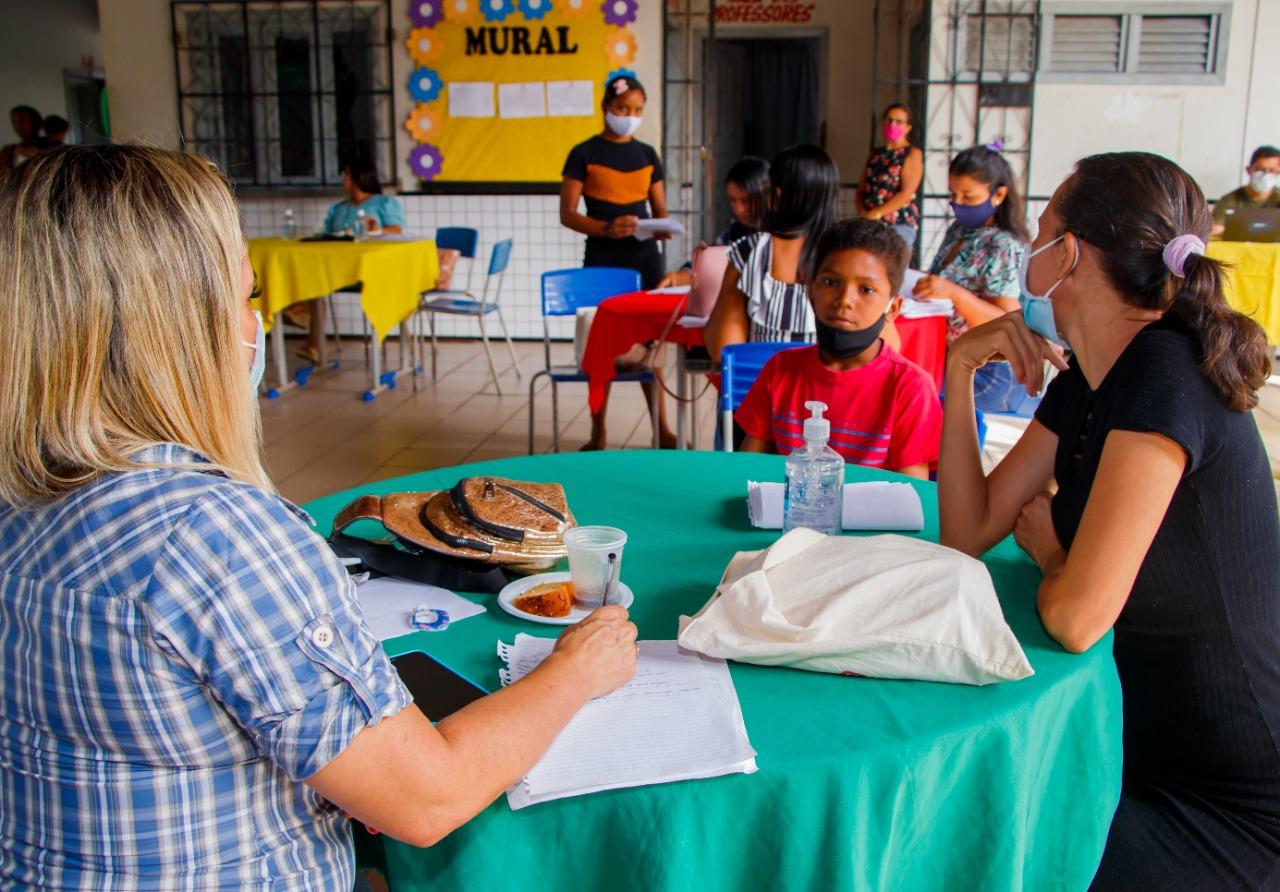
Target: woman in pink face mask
[{"x": 889, "y": 184}]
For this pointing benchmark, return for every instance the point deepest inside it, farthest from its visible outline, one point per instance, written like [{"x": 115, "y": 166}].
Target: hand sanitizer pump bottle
[{"x": 815, "y": 479}]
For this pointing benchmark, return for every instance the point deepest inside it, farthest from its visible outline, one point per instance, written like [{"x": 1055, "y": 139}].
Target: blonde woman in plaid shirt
[{"x": 189, "y": 695}]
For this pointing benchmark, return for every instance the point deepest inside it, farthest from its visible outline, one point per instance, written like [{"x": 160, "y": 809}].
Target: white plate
[{"x": 622, "y": 595}]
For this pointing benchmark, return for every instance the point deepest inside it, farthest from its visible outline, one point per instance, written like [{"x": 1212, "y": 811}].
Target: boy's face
[{"x": 852, "y": 290}]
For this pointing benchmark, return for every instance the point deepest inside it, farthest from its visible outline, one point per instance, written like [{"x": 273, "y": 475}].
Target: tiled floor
[{"x": 324, "y": 438}]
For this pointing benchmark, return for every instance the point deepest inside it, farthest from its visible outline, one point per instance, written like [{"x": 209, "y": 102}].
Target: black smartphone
[{"x": 437, "y": 690}]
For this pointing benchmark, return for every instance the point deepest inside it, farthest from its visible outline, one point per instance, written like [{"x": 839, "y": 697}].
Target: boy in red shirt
[{"x": 884, "y": 408}]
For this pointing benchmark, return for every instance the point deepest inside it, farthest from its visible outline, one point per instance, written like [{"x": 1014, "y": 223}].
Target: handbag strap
[{"x": 455, "y": 574}]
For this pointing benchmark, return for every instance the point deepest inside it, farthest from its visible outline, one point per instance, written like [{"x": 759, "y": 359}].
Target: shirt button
[{"x": 322, "y": 636}]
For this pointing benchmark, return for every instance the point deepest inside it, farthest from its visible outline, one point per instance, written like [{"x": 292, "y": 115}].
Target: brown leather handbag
[{"x": 491, "y": 520}]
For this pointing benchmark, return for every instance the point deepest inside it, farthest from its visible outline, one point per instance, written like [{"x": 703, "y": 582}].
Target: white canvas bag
[{"x": 881, "y": 606}]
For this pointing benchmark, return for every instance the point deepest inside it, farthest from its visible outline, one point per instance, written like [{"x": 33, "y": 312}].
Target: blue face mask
[
  {"x": 259, "y": 366},
  {"x": 973, "y": 216},
  {"x": 1037, "y": 309}
]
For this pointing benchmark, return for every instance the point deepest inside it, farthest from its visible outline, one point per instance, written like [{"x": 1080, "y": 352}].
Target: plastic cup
[{"x": 589, "y": 549}]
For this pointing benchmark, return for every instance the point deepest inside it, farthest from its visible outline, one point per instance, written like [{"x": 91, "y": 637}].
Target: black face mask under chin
[{"x": 839, "y": 343}]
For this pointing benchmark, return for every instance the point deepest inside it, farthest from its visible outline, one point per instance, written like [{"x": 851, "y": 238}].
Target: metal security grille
[
  {"x": 688, "y": 115},
  {"x": 1159, "y": 43},
  {"x": 286, "y": 92},
  {"x": 1176, "y": 44},
  {"x": 1088, "y": 43}
]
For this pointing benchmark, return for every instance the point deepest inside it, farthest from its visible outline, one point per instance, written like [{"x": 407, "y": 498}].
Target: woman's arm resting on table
[
  {"x": 728, "y": 321},
  {"x": 920, "y": 472},
  {"x": 418, "y": 783},
  {"x": 977, "y": 511},
  {"x": 1084, "y": 591},
  {"x": 755, "y": 444}
]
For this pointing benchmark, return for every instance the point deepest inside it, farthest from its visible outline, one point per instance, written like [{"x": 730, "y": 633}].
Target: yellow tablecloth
[
  {"x": 1253, "y": 282},
  {"x": 392, "y": 275}
]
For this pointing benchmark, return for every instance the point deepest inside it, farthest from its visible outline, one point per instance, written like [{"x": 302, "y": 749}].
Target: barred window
[{"x": 286, "y": 92}]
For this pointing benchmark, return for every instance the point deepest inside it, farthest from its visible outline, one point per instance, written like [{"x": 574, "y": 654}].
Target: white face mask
[
  {"x": 622, "y": 125},
  {"x": 259, "y": 365},
  {"x": 1263, "y": 180}
]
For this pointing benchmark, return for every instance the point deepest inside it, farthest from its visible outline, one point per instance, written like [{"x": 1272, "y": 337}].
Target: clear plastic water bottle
[
  {"x": 815, "y": 479},
  {"x": 361, "y": 230},
  {"x": 289, "y": 229}
]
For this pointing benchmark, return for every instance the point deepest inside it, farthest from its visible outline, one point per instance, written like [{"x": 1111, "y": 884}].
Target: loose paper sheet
[
  {"x": 387, "y": 603},
  {"x": 867, "y": 506},
  {"x": 570, "y": 99},
  {"x": 471, "y": 99},
  {"x": 677, "y": 719},
  {"x": 650, "y": 226},
  {"x": 522, "y": 100}
]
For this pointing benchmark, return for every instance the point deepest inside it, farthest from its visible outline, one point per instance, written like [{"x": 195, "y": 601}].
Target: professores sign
[
  {"x": 502, "y": 89},
  {"x": 764, "y": 11}
]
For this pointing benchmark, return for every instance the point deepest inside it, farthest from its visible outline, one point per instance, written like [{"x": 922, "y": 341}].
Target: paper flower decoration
[
  {"x": 619, "y": 46},
  {"x": 496, "y": 10},
  {"x": 424, "y": 45},
  {"x": 534, "y": 10},
  {"x": 426, "y": 13},
  {"x": 619, "y": 72},
  {"x": 425, "y": 84},
  {"x": 573, "y": 8},
  {"x": 426, "y": 161},
  {"x": 619, "y": 12},
  {"x": 423, "y": 123},
  {"x": 461, "y": 12}
]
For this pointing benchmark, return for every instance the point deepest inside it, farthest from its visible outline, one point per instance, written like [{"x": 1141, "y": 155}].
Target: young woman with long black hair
[{"x": 1163, "y": 525}]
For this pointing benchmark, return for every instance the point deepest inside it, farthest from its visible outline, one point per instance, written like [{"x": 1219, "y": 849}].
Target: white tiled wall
[{"x": 532, "y": 221}]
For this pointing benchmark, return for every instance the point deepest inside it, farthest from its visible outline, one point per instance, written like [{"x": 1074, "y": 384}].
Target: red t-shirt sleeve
[
  {"x": 917, "y": 423},
  {"x": 755, "y": 415}
]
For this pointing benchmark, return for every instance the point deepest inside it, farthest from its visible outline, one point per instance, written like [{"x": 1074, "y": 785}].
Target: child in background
[{"x": 884, "y": 409}]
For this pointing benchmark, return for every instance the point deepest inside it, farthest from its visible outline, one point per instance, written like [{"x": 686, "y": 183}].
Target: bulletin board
[{"x": 501, "y": 90}]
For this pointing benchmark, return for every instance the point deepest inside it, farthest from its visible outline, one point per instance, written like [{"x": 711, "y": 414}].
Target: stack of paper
[
  {"x": 677, "y": 719},
  {"x": 867, "y": 506},
  {"x": 919, "y": 307}
]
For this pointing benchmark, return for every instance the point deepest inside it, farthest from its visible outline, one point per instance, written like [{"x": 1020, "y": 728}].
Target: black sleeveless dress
[{"x": 1197, "y": 644}]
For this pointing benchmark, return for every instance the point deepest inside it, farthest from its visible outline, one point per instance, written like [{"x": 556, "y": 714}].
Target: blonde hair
[{"x": 119, "y": 317}]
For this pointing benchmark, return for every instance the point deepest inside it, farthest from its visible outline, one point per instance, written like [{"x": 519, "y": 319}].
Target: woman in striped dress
[{"x": 764, "y": 297}]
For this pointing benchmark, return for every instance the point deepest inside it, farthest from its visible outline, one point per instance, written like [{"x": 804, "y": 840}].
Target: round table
[{"x": 863, "y": 783}]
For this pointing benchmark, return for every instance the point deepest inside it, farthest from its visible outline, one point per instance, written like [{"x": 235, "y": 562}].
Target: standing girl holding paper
[{"x": 621, "y": 180}]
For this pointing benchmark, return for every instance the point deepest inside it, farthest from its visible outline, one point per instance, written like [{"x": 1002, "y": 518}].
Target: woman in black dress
[{"x": 1164, "y": 523}]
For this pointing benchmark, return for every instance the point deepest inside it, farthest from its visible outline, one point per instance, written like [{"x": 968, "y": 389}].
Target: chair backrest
[
  {"x": 500, "y": 256},
  {"x": 565, "y": 291},
  {"x": 708, "y": 274},
  {"x": 740, "y": 365},
  {"x": 462, "y": 239}
]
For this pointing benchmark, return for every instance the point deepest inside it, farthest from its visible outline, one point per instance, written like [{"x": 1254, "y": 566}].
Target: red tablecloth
[
  {"x": 621, "y": 322},
  {"x": 637, "y": 318},
  {"x": 924, "y": 342}
]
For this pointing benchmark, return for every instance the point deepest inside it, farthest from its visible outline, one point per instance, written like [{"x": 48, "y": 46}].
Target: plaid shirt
[{"x": 177, "y": 652}]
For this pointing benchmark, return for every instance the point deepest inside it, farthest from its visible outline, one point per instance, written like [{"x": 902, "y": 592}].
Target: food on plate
[{"x": 547, "y": 599}]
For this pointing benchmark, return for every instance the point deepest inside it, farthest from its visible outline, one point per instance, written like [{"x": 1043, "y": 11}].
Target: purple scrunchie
[{"x": 1175, "y": 253}]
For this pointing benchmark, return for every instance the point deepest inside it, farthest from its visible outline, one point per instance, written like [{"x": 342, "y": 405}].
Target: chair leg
[
  {"x": 488, "y": 354},
  {"x": 533, "y": 382},
  {"x": 555, "y": 415},
  {"x": 515, "y": 363},
  {"x": 431, "y": 323},
  {"x": 726, "y": 431},
  {"x": 655, "y": 394},
  {"x": 364, "y": 324},
  {"x": 412, "y": 332},
  {"x": 333, "y": 326}
]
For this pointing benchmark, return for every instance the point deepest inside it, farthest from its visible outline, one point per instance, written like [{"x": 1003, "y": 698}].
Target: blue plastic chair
[
  {"x": 461, "y": 302},
  {"x": 464, "y": 240},
  {"x": 740, "y": 365},
  {"x": 564, "y": 292}
]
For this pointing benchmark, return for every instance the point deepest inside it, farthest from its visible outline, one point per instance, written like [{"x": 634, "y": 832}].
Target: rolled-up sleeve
[{"x": 255, "y": 604}]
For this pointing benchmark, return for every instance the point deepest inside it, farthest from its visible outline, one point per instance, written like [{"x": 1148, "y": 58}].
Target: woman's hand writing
[{"x": 601, "y": 649}]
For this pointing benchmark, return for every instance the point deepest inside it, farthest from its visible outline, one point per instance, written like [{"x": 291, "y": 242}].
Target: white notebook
[{"x": 677, "y": 719}]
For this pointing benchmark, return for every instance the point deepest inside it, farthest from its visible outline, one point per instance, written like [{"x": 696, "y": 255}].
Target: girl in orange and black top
[{"x": 621, "y": 180}]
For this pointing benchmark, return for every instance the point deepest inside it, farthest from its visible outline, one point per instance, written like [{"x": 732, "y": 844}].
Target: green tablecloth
[{"x": 863, "y": 784}]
